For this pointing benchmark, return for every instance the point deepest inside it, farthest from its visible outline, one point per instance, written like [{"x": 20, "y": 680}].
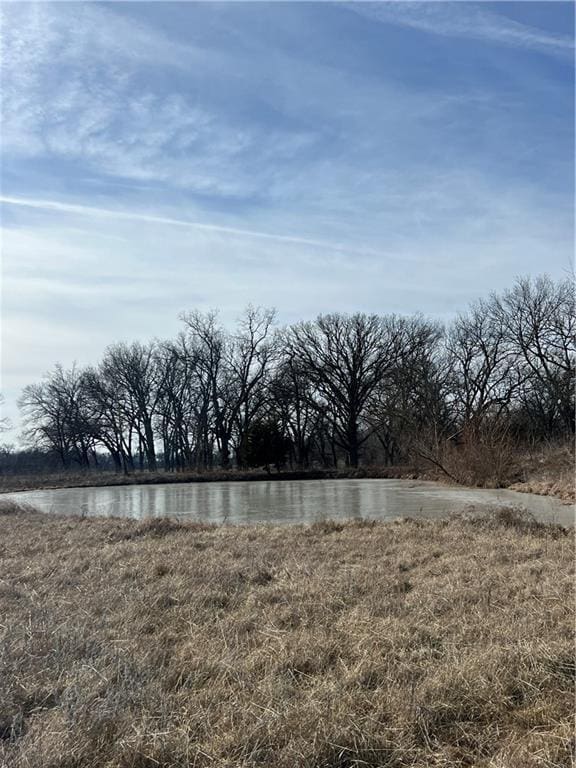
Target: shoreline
[{"x": 23, "y": 483}]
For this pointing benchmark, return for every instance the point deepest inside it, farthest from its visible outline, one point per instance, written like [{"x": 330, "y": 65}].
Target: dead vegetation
[
  {"x": 129, "y": 644},
  {"x": 550, "y": 471},
  {"x": 546, "y": 469}
]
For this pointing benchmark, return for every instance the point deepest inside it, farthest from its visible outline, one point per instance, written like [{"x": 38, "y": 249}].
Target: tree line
[{"x": 343, "y": 388}]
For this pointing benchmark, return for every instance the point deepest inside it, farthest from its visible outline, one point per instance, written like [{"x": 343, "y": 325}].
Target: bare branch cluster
[{"x": 339, "y": 388}]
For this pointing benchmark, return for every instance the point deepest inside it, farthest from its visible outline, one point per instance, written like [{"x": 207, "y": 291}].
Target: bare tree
[
  {"x": 484, "y": 372},
  {"x": 391, "y": 386},
  {"x": 5, "y": 423},
  {"x": 295, "y": 406},
  {"x": 346, "y": 357},
  {"x": 538, "y": 321},
  {"x": 206, "y": 336},
  {"x": 250, "y": 359},
  {"x": 104, "y": 398},
  {"x": 410, "y": 405},
  {"x": 56, "y": 416},
  {"x": 132, "y": 372},
  {"x": 184, "y": 408},
  {"x": 235, "y": 367}
]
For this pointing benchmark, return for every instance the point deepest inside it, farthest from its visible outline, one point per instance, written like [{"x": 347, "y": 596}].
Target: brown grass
[
  {"x": 130, "y": 644},
  {"x": 547, "y": 470}
]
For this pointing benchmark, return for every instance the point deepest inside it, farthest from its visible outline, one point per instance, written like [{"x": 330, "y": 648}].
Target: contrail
[{"x": 86, "y": 210}]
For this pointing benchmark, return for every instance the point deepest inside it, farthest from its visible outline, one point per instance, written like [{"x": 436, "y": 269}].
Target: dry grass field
[{"x": 130, "y": 644}]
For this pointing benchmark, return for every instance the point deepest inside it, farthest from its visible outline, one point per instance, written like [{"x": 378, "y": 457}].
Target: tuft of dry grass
[
  {"x": 127, "y": 644},
  {"x": 15, "y": 507}
]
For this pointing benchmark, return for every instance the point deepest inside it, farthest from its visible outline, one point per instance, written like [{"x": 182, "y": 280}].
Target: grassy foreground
[{"x": 130, "y": 644}]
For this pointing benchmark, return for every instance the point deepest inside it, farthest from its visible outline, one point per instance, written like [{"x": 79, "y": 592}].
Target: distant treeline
[{"x": 341, "y": 388}]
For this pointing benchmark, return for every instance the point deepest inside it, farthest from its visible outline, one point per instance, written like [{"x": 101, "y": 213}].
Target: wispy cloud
[
  {"x": 83, "y": 83},
  {"x": 107, "y": 213},
  {"x": 164, "y": 156},
  {"x": 465, "y": 20}
]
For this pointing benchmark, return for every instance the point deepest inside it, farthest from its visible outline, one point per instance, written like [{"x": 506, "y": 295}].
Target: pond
[{"x": 300, "y": 501}]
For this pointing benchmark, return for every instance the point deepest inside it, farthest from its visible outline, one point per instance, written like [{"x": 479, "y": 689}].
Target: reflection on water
[{"x": 288, "y": 501}]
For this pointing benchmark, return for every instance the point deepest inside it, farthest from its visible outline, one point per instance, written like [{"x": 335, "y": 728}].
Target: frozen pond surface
[{"x": 302, "y": 501}]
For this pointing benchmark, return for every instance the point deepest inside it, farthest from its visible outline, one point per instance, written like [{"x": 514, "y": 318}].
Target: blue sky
[{"x": 383, "y": 157}]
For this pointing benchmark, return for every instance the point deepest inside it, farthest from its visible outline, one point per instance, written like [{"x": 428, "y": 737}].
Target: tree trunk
[{"x": 353, "y": 450}]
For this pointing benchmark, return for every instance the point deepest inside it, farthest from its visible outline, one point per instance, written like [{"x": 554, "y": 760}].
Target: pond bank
[
  {"x": 9, "y": 484},
  {"x": 289, "y": 501},
  {"x": 561, "y": 486}
]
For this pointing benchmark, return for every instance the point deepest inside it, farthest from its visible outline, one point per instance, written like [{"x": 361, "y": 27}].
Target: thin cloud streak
[
  {"x": 85, "y": 210},
  {"x": 465, "y": 20}
]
